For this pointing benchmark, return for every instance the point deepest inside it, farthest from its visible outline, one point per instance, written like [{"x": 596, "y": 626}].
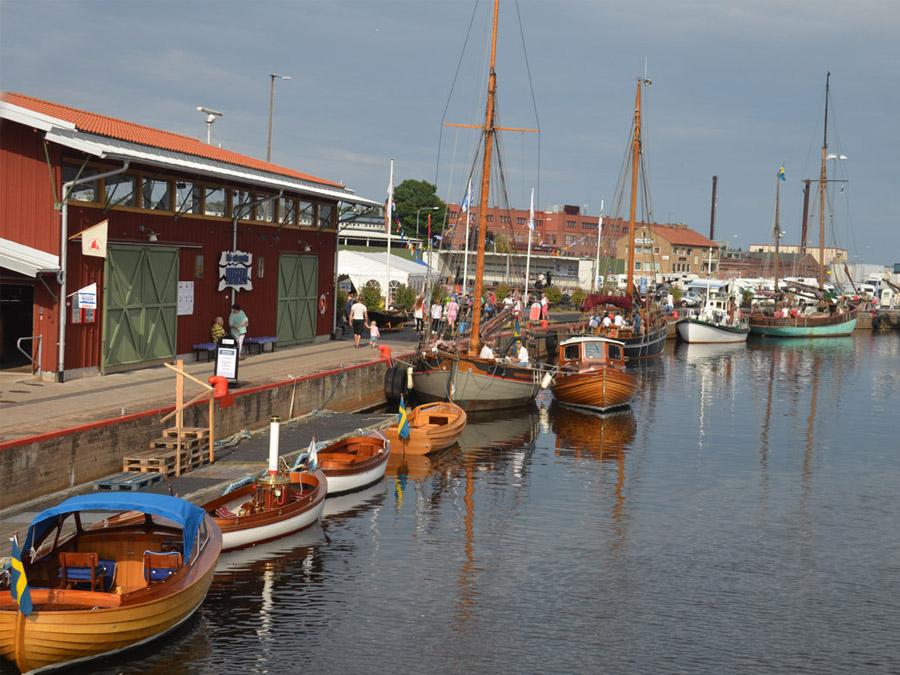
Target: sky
[{"x": 738, "y": 89}]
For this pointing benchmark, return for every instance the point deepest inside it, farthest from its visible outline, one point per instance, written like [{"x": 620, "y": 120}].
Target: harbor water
[{"x": 742, "y": 517}]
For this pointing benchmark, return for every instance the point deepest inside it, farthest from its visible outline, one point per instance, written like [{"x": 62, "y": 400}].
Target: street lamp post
[
  {"x": 271, "y": 107},
  {"x": 424, "y": 208}
]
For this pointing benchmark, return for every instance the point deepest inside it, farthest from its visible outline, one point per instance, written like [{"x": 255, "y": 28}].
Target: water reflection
[{"x": 581, "y": 433}]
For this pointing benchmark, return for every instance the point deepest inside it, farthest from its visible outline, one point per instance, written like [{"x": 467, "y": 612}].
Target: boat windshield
[{"x": 594, "y": 350}]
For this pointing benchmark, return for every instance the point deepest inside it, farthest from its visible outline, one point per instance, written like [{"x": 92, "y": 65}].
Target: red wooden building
[{"x": 190, "y": 229}]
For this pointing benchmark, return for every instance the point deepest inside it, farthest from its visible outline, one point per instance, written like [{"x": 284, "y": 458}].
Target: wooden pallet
[
  {"x": 187, "y": 432},
  {"x": 165, "y": 462},
  {"x": 172, "y": 443},
  {"x": 128, "y": 481}
]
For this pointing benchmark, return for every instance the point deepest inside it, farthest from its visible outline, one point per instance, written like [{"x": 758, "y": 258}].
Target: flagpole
[
  {"x": 528, "y": 255},
  {"x": 599, "y": 232},
  {"x": 387, "y": 222}
]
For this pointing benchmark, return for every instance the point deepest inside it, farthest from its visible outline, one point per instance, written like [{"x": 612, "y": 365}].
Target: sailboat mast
[
  {"x": 777, "y": 227},
  {"x": 474, "y": 337},
  {"x": 822, "y": 184},
  {"x": 635, "y": 159}
]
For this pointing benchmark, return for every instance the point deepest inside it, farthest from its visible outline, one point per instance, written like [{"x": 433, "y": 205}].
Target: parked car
[{"x": 691, "y": 299}]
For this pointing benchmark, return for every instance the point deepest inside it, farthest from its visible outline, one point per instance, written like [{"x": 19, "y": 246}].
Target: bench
[
  {"x": 260, "y": 343},
  {"x": 208, "y": 347}
]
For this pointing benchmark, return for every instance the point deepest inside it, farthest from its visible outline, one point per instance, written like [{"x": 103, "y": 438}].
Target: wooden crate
[{"x": 172, "y": 443}]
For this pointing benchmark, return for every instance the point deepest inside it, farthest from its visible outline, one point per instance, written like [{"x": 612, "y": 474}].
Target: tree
[
  {"x": 404, "y": 297},
  {"x": 414, "y": 197},
  {"x": 370, "y": 296}
]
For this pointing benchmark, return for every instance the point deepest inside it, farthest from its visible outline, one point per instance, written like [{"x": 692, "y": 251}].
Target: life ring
[{"x": 323, "y": 305}]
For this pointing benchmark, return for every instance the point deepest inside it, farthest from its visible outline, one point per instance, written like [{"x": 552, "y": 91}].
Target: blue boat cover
[{"x": 177, "y": 510}]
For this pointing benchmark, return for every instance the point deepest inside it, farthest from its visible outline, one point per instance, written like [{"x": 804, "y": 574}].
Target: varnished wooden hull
[
  {"x": 432, "y": 427},
  {"x": 296, "y": 514},
  {"x": 70, "y": 626},
  {"x": 354, "y": 463},
  {"x": 602, "y": 389},
  {"x": 825, "y": 325},
  {"x": 474, "y": 383}
]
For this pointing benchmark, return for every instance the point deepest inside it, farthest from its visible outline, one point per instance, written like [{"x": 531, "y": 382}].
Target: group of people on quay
[
  {"x": 237, "y": 328},
  {"x": 453, "y": 313}
]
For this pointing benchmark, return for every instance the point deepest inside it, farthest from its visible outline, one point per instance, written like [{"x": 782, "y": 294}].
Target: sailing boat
[
  {"x": 837, "y": 321},
  {"x": 465, "y": 378},
  {"x": 649, "y": 340}
]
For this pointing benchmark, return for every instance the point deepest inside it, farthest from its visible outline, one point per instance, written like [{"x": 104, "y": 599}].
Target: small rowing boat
[
  {"x": 355, "y": 462},
  {"x": 432, "y": 427}
]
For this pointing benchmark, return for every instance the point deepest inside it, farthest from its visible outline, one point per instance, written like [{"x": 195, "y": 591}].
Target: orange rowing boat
[{"x": 432, "y": 427}]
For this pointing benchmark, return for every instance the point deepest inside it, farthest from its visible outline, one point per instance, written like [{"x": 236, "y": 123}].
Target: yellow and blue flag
[
  {"x": 516, "y": 335},
  {"x": 19, "y": 586},
  {"x": 781, "y": 173},
  {"x": 402, "y": 420}
]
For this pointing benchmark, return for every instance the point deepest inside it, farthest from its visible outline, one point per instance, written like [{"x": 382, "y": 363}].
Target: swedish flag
[
  {"x": 516, "y": 335},
  {"x": 402, "y": 421},
  {"x": 781, "y": 173},
  {"x": 19, "y": 586}
]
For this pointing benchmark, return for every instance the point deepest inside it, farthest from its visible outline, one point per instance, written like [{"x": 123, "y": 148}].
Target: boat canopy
[{"x": 177, "y": 510}]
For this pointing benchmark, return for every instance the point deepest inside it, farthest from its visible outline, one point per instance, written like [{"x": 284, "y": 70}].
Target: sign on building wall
[
  {"x": 234, "y": 270},
  {"x": 185, "y": 298}
]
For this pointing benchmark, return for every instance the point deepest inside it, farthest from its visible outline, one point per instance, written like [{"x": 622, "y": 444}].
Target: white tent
[{"x": 364, "y": 268}]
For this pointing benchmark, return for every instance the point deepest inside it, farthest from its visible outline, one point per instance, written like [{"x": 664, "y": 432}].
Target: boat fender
[
  {"x": 876, "y": 322},
  {"x": 409, "y": 380},
  {"x": 552, "y": 343},
  {"x": 546, "y": 381},
  {"x": 395, "y": 383}
]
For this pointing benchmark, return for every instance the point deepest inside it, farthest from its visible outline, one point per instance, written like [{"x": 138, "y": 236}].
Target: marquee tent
[{"x": 365, "y": 267}]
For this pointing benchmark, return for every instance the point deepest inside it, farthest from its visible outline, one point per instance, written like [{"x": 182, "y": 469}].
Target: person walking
[
  {"x": 359, "y": 319},
  {"x": 238, "y": 323},
  {"x": 452, "y": 312},
  {"x": 545, "y": 307},
  {"x": 419, "y": 313},
  {"x": 374, "y": 334},
  {"x": 437, "y": 312}
]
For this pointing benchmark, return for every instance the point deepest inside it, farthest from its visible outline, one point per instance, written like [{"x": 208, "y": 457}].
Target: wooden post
[{"x": 179, "y": 413}]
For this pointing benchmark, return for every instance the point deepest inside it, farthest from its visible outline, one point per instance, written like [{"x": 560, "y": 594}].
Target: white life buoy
[{"x": 323, "y": 305}]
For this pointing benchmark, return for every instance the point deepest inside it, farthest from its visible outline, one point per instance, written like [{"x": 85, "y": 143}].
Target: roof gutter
[{"x": 63, "y": 257}]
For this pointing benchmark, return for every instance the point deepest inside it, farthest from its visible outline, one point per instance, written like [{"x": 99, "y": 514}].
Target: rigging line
[
  {"x": 533, "y": 97},
  {"x": 452, "y": 87}
]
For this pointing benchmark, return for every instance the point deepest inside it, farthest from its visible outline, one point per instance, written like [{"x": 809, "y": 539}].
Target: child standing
[{"x": 373, "y": 334}]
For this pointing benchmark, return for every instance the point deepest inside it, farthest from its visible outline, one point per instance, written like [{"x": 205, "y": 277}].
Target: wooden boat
[
  {"x": 592, "y": 374},
  {"x": 467, "y": 380},
  {"x": 269, "y": 507},
  {"x": 280, "y": 503},
  {"x": 432, "y": 427},
  {"x": 99, "y": 589},
  {"x": 354, "y": 463},
  {"x": 840, "y": 321}
]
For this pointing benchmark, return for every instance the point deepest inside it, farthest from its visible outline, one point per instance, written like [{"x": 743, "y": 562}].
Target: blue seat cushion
[
  {"x": 82, "y": 575},
  {"x": 152, "y": 573}
]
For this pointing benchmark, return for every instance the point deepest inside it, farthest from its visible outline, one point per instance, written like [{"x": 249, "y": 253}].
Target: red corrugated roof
[{"x": 136, "y": 133}]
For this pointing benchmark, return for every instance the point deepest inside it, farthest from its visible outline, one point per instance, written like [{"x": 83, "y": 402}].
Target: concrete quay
[{"x": 57, "y": 436}]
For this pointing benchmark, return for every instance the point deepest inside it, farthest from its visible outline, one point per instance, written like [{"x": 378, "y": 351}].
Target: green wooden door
[
  {"x": 297, "y": 287},
  {"x": 141, "y": 304}
]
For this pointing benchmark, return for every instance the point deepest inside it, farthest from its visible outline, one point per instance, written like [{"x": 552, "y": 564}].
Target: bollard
[{"x": 220, "y": 384}]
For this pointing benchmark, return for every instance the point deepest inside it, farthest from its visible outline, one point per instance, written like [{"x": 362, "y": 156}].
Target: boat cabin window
[
  {"x": 615, "y": 352},
  {"x": 572, "y": 353},
  {"x": 594, "y": 350}
]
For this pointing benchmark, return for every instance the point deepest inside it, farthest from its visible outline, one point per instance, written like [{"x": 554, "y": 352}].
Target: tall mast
[
  {"x": 822, "y": 183},
  {"x": 777, "y": 226},
  {"x": 803, "y": 224},
  {"x": 635, "y": 159},
  {"x": 474, "y": 337}
]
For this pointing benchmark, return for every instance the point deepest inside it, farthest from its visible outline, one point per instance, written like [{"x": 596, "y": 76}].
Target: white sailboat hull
[{"x": 697, "y": 331}]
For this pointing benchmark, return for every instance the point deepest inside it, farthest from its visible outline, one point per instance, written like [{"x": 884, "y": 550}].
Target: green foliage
[
  {"x": 746, "y": 297},
  {"x": 578, "y": 296},
  {"x": 342, "y": 302},
  {"x": 404, "y": 297},
  {"x": 554, "y": 295},
  {"x": 370, "y": 296},
  {"x": 437, "y": 294},
  {"x": 502, "y": 291},
  {"x": 418, "y": 197},
  {"x": 676, "y": 294}
]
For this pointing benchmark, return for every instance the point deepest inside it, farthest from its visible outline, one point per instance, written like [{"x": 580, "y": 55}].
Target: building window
[
  {"x": 305, "y": 214},
  {"x": 656, "y": 250},
  {"x": 156, "y": 195},
  {"x": 83, "y": 192},
  {"x": 215, "y": 202},
  {"x": 265, "y": 210},
  {"x": 188, "y": 197},
  {"x": 520, "y": 221},
  {"x": 637, "y": 265},
  {"x": 120, "y": 190},
  {"x": 287, "y": 211},
  {"x": 570, "y": 223},
  {"x": 326, "y": 217},
  {"x": 240, "y": 205},
  {"x": 490, "y": 218}
]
